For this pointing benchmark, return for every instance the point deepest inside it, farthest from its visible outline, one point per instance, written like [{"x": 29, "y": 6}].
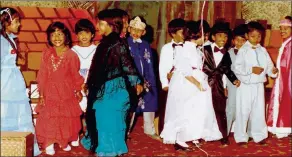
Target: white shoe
[
  {"x": 75, "y": 143},
  {"x": 50, "y": 150},
  {"x": 68, "y": 148}
]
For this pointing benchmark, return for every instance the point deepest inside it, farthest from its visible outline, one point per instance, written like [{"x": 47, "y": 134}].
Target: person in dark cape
[{"x": 112, "y": 82}]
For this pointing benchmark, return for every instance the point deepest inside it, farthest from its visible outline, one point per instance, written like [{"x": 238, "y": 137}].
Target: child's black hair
[
  {"x": 253, "y": 25},
  {"x": 206, "y": 26},
  {"x": 5, "y": 20},
  {"x": 59, "y": 25},
  {"x": 220, "y": 27},
  {"x": 112, "y": 18},
  {"x": 120, "y": 12},
  {"x": 288, "y": 18},
  {"x": 192, "y": 30},
  {"x": 175, "y": 25},
  {"x": 85, "y": 25},
  {"x": 239, "y": 30}
]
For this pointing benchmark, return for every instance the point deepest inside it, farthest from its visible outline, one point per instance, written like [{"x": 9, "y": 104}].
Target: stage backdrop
[{"x": 37, "y": 15}]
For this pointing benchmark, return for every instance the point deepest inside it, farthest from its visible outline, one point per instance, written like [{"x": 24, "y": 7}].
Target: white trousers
[
  {"x": 250, "y": 113},
  {"x": 149, "y": 127},
  {"x": 230, "y": 108}
]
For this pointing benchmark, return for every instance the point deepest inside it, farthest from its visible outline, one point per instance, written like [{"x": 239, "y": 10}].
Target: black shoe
[
  {"x": 225, "y": 141},
  {"x": 263, "y": 142},
  {"x": 242, "y": 143},
  {"x": 179, "y": 147}
]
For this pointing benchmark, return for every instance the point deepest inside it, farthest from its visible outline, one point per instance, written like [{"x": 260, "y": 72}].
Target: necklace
[{"x": 56, "y": 65}]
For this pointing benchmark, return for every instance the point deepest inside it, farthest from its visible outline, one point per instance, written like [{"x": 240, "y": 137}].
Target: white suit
[{"x": 250, "y": 96}]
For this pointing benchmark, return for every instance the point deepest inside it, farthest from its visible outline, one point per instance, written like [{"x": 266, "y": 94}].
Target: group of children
[
  {"x": 209, "y": 85},
  {"x": 235, "y": 76}
]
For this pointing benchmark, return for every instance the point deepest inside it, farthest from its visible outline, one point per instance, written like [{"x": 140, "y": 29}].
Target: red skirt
[{"x": 58, "y": 122}]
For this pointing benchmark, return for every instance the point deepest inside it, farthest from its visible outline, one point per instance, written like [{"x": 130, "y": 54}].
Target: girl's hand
[
  {"x": 41, "y": 100},
  {"x": 79, "y": 96},
  {"x": 139, "y": 89},
  {"x": 84, "y": 88}
]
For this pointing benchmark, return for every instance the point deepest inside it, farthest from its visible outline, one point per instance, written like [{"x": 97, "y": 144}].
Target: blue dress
[
  {"x": 113, "y": 105},
  {"x": 16, "y": 113},
  {"x": 143, "y": 58}
]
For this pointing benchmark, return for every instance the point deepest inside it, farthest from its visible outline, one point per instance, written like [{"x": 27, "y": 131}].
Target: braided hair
[{"x": 6, "y": 17}]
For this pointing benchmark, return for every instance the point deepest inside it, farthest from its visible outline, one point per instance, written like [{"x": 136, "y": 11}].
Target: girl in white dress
[
  {"x": 189, "y": 112},
  {"x": 85, "y": 50}
]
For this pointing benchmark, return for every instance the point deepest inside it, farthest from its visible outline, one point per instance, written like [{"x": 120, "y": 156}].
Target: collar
[
  {"x": 286, "y": 41},
  {"x": 251, "y": 46},
  {"x": 213, "y": 46},
  {"x": 11, "y": 35},
  {"x": 173, "y": 42}
]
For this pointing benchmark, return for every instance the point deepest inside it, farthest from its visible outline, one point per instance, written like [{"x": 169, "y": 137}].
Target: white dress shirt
[
  {"x": 167, "y": 55},
  {"x": 217, "y": 58}
]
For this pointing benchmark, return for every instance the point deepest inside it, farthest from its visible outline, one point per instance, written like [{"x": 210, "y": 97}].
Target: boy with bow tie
[
  {"x": 252, "y": 64},
  {"x": 217, "y": 63},
  {"x": 143, "y": 57},
  {"x": 238, "y": 40},
  {"x": 167, "y": 54}
]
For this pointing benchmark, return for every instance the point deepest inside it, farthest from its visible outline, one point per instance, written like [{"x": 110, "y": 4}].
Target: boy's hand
[
  {"x": 165, "y": 89},
  {"x": 169, "y": 75},
  {"x": 257, "y": 70},
  {"x": 275, "y": 70},
  {"x": 226, "y": 92},
  {"x": 237, "y": 83},
  {"x": 139, "y": 89}
]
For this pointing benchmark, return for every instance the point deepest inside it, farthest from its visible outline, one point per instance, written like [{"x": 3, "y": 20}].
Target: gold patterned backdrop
[{"x": 271, "y": 11}]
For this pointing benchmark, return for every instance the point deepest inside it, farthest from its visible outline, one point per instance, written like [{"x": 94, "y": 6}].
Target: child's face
[
  {"x": 14, "y": 26},
  {"x": 253, "y": 37},
  {"x": 103, "y": 28},
  {"x": 178, "y": 36},
  {"x": 206, "y": 37},
  {"x": 84, "y": 38},
  {"x": 199, "y": 41},
  {"x": 285, "y": 31},
  {"x": 136, "y": 33},
  {"x": 58, "y": 38},
  {"x": 238, "y": 41},
  {"x": 220, "y": 39}
]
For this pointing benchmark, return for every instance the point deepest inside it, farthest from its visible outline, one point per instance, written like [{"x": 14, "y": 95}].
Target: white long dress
[{"x": 189, "y": 112}]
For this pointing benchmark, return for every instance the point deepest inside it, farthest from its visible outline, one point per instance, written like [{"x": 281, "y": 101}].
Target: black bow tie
[
  {"x": 236, "y": 51},
  {"x": 216, "y": 49},
  {"x": 174, "y": 45}
]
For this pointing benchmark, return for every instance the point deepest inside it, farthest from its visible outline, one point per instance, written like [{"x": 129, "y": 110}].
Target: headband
[
  {"x": 137, "y": 23},
  {"x": 285, "y": 22},
  {"x": 7, "y": 10}
]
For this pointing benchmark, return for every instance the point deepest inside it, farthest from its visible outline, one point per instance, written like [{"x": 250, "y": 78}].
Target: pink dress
[
  {"x": 59, "y": 118},
  {"x": 279, "y": 110}
]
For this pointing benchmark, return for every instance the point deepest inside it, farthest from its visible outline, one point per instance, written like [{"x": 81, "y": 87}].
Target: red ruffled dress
[{"x": 59, "y": 117}]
